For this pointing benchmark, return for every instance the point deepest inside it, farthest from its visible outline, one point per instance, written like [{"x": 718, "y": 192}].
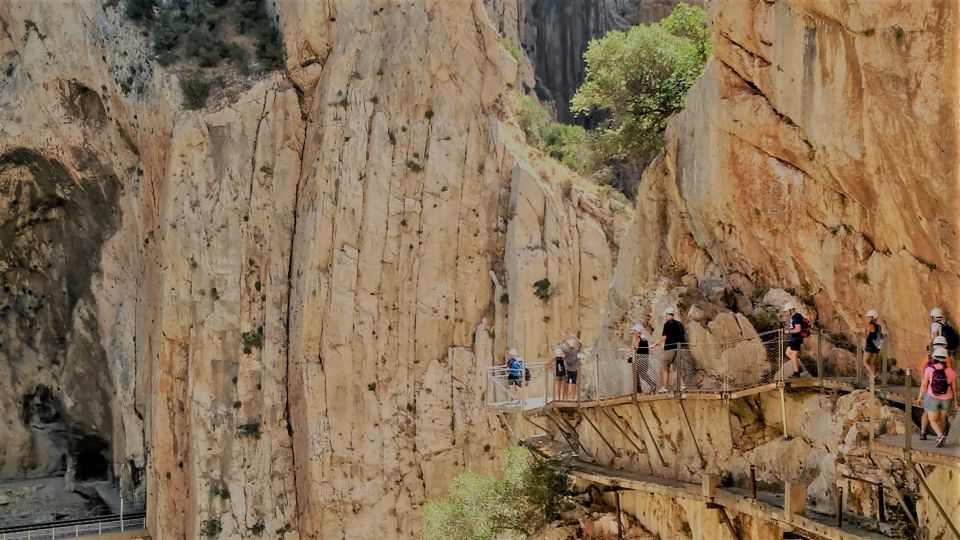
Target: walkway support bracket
[
  {"x": 693, "y": 436},
  {"x": 646, "y": 427},
  {"x": 626, "y": 435},
  {"x": 943, "y": 513},
  {"x": 586, "y": 417}
]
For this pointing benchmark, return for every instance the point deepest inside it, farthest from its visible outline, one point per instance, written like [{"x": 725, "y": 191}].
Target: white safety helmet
[
  {"x": 669, "y": 311},
  {"x": 789, "y": 305},
  {"x": 512, "y": 352},
  {"x": 572, "y": 342},
  {"x": 636, "y": 328},
  {"x": 873, "y": 313},
  {"x": 939, "y": 353},
  {"x": 940, "y": 341},
  {"x": 558, "y": 352},
  {"x": 936, "y": 313}
]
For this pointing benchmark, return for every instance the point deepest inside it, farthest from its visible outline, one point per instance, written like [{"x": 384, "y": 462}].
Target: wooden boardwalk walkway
[{"x": 767, "y": 506}]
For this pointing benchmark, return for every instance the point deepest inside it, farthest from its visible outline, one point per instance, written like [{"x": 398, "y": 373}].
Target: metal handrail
[{"x": 53, "y": 532}]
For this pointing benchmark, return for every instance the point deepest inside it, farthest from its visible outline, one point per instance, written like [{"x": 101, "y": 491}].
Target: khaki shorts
[{"x": 669, "y": 357}]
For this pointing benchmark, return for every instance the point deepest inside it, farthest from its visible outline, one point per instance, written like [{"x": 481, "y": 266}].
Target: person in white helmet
[
  {"x": 570, "y": 346},
  {"x": 514, "y": 368},
  {"x": 940, "y": 327},
  {"x": 937, "y": 392},
  {"x": 873, "y": 336},
  {"x": 641, "y": 358},
  {"x": 672, "y": 338},
  {"x": 794, "y": 336},
  {"x": 927, "y": 362},
  {"x": 936, "y": 322},
  {"x": 560, "y": 374}
]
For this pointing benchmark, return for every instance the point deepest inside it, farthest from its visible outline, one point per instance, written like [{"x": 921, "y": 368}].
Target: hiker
[
  {"x": 937, "y": 391},
  {"x": 514, "y": 368},
  {"x": 795, "y": 334},
  {"x": 570, "y": 346},
  {"x": 671, "y": 340},
  {"x": 641, "y": 358},
  {"x": 873, "y": 336},
  {"x": 560, "y": 374},
  {"x": 940, "y": 327},
  {"x": 927, "y": 362}
]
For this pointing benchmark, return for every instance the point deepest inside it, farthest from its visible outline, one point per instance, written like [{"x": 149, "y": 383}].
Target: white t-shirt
[{"x": 935, "y": 329}]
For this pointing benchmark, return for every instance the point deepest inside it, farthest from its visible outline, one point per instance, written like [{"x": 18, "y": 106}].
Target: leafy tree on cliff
[
  {"x": 526, "y": 495},
  {"x": 639, "y": 78}
]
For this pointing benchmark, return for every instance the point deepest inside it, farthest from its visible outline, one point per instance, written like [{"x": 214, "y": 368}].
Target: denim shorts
[{"x": 932, "y": 404}]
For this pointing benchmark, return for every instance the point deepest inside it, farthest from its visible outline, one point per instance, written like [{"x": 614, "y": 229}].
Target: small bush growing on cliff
[
  {"x": 563, "y": 142},
  {"x": 527, "y": 494},
  {"x": 195, "y": 91},
  {"x": 210, "y": 527},
  {"x": 639, "y": 78}
]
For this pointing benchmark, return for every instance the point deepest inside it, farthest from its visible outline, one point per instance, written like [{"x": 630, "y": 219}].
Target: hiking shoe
[
  {"x": 940, "y": 440},
  {"x": 923, "y": 436},
  {"x": 661, "y": 390},
  {"x": 683, "y": 387}
]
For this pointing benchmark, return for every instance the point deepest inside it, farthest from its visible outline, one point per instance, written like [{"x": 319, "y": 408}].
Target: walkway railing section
[
  {"x": 720, "y": 367},
  {"x": 55, "y": 532},
  {"x": 533, "y": 388}
]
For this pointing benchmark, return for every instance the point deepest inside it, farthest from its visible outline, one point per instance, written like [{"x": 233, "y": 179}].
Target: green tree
[
  {"x": 640, "y": 77},
  {"x": 527, "y": 494}
]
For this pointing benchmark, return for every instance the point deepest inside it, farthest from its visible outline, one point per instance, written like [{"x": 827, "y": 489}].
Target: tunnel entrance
[{"x": 90, "y": 458}]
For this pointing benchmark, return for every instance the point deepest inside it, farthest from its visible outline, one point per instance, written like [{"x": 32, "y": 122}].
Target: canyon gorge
[{"x": 275, "y": 313}]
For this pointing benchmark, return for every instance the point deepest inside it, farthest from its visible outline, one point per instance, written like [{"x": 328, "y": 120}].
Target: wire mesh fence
[{"x": 697, "y": 367}]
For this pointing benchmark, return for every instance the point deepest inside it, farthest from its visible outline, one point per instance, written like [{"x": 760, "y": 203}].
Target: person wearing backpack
[
  {"x": 559, "y": 374},
  {"x": 873, "y": 336},
  {"x": 570, "y": 346},
  {"x": 937, "y": 391},
  {"x": 514, "y": 368},
  {"x": 798, "y": 328},
  {"x": 940, "y": 327},
  {"x": 927, "y": 362},
  {"x": 641, "y": 358}
]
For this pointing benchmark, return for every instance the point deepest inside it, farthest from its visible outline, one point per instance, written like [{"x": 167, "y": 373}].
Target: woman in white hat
[
  {"x": 641, "y": 358},
  {"x": 873, "y": 336},
  {"x": 570, "y": 346},
  {"x": 559, "y": 375}
]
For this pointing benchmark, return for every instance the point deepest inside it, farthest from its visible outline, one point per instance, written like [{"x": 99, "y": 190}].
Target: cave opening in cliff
[
  {"x": 90, "y": 458},
  {"x": 54, "y": 219}
]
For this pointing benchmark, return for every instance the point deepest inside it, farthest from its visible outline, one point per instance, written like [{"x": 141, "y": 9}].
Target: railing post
[
  {"x": 596, "y": 359},
  {"x": 838, "y": 519},
  {"x": 780, "y": 353},
  {"x": 820, "y": 357},
  {"x": 546, "y": 383},
  {"x": 880, "y": 511},
  {"x": 753, "y": 481},
  {"x": 883, "y": 369},
  {"x": 859, "y": 362},
  {"x": 908, "y": 420}
]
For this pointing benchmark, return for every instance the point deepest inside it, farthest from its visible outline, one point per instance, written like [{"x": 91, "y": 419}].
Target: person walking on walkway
[
  {"x": 927, "y": 362},
  {"x": 939, "y": 327},
  {"x": 937, "y": 392},
  {"x": 873, "y": 336},
  {"x": 515, "y": 371},
  {"x": 671, "y": 340},
  {"x": 795, "y": 331},
  {"x": 571, "y": 365},
  {"x": 559, "y": 374},
  {"x": 641, "y": 358}
]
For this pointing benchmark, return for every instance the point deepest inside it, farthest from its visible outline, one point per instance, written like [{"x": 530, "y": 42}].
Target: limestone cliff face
[
  {"x": 833, "y": 131},
  {"x": 280, "y": 307}
]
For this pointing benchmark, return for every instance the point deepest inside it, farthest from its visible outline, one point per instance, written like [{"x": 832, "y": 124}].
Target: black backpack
[
  {"x": 938, "y": 382},
  {"x": 948, "y": 332}
]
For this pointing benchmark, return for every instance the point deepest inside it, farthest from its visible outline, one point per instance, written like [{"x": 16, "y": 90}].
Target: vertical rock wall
[
  {"x": 833, "y": 132},
  {"x": 295, "y": 291}
]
